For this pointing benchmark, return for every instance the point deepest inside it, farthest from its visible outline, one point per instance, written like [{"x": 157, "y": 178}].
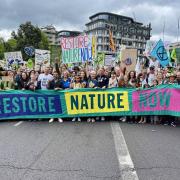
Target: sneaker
[
  {"x": 79, "y": 119},
  {"x": 172, "y": 124},
  {"x": 51, "y": 120},
  {"x": 74, "y": 119},
  {"x": 97, "y": 118},
  {"x": 140, "y": 121},
  {"x": 60, "y": 120},
  {"x": 123, "y": 119},
  {"x": 89, "y": 120},
  {"x": 144, "y": 122},
  {"x": 93, "y": 120},
  {"x": 102, "y": 118}
]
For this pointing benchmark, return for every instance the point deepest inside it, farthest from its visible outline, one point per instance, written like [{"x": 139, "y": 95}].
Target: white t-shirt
[
  {"x": 44, "y": 80},
  {"x": 154, "y": 63},
  {"x": 151, "y": 79}
]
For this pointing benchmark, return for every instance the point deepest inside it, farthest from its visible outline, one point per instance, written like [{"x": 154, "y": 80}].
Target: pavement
[{"x": 88, "y": 151}]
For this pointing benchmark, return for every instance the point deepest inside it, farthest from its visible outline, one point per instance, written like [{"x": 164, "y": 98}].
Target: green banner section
[{"x": 162, "y": 100}]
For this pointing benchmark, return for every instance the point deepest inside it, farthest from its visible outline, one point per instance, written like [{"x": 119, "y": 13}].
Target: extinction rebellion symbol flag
[{"x": 159, "y": 52}]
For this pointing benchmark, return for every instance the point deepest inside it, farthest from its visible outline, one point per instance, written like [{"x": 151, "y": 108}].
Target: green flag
[{"x": 173, "y": 54}]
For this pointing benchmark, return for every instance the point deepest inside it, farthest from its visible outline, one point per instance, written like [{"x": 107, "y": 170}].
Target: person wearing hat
[{"x": 172, "y": 78}]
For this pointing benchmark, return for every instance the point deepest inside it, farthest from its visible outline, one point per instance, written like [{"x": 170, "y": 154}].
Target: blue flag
[{"x": 159, "y": 52}]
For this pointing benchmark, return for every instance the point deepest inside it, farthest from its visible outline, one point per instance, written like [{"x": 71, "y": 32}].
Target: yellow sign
[
  {"x": 93, "y": 46},
  {"x": 96, "y": 102}
]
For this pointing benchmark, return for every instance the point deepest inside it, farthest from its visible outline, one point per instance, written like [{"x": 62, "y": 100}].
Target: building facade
[
  {"x": 55, "y": 36},
  {"x": 66, "y": 33},
  {"x": 125, "y": 30},
  {"x": 51, "y": 33},
  {"x": 174, "y": 45}
]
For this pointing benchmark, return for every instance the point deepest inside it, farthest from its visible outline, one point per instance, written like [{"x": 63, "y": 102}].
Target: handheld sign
[{"x": 30, "y": 51}]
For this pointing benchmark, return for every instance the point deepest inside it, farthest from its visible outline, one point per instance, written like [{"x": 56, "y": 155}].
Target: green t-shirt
[{"x": 5, "y": 85}]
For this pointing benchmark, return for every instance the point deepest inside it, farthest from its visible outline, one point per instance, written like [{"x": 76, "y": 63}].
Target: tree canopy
[{"x": 27, "y": 35}]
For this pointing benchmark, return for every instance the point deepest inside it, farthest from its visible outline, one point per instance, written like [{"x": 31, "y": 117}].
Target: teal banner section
[{"x": 162, "y": 100}]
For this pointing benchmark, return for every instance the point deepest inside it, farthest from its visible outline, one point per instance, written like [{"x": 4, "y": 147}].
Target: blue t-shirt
[
  {"x": 65, "y": 84},
  {"x": 92, "y": 83}
]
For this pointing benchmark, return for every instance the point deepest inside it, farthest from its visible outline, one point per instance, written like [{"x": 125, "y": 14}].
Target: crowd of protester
[{"x": 61, "y": 77}]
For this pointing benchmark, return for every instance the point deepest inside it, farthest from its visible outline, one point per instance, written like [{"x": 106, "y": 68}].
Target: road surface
[{"x": 88, "y": 151}]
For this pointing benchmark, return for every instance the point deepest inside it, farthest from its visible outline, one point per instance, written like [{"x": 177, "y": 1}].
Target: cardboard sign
[
  {"x": 129, "y": 57},
  {"x": 42, "y": 58}
]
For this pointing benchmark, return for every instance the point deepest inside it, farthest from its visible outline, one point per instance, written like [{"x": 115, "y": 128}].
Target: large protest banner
[
  {"x": 13, "y": 59},
  {"x": 162, "y": 100},
  {"x": 76, "y": 49},
  {"x": 42, "y": 58}
]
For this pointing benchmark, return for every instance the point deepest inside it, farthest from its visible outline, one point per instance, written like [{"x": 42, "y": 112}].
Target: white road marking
[
  {"x": 125, "y": 162},
  {"x": 17, "y": 124}
]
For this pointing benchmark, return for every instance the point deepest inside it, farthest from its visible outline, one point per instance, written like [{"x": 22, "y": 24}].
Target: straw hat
[{"x": 171, "y": 75}]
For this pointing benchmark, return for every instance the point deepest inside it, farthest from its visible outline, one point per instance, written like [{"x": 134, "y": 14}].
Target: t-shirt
[
  {"x": 151, "y": 78},
  {"x": 65, "y": 84},
  {"x": 103, "y": 81},
  {"x": 113, "y": 83},
  {"x": 92, "y": 83},
  {"x": 76, "y": 85},
  {"x": 44, "y": 80}
]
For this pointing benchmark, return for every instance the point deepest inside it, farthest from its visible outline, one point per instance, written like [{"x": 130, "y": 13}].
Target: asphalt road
[{"x": 82, "y": 151}]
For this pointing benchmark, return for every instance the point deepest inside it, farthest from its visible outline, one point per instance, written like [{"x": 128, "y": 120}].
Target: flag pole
[
  {"x": 178, "y": 30},
  {"x": 164, "y": 29}
]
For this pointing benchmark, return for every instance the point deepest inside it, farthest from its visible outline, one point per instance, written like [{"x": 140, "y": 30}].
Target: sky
[{"x": 74, "y": 14}]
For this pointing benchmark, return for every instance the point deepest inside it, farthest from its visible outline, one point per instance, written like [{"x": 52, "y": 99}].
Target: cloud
[
  {"x": 68, "y": 14},
  {"x": 5, "y": 34}
]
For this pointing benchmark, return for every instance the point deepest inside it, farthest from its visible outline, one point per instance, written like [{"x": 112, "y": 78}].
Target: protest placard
[
  {"x": 109, "y": 60},
  {"x": 76, "y": 49},
  {"x": 42, "y": 58},
  {"x": 13, "y": 59},
  {"x": 128, "y": 59}
]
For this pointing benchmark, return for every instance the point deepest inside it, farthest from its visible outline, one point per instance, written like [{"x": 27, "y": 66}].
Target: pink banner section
[{"x": 156, "y": 100}]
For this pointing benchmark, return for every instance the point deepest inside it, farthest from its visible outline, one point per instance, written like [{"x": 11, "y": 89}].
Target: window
[
  {"x": 99, "y": 40},
  {"x": 99, "y": 48},
  {"x": 103, "y": 16},
  {"x": 106, "y": 48},
  {"x": 107, "y": 40},
  {"x": 100, "y": 31}
]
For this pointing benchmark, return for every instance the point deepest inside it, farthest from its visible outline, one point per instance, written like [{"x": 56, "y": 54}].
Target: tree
[
  {"x": 44, "y": 43},
  {"x": 10, "y": 45},
  {"x": 2, "y": 48},
  {"x": 29, "y": 35}
]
